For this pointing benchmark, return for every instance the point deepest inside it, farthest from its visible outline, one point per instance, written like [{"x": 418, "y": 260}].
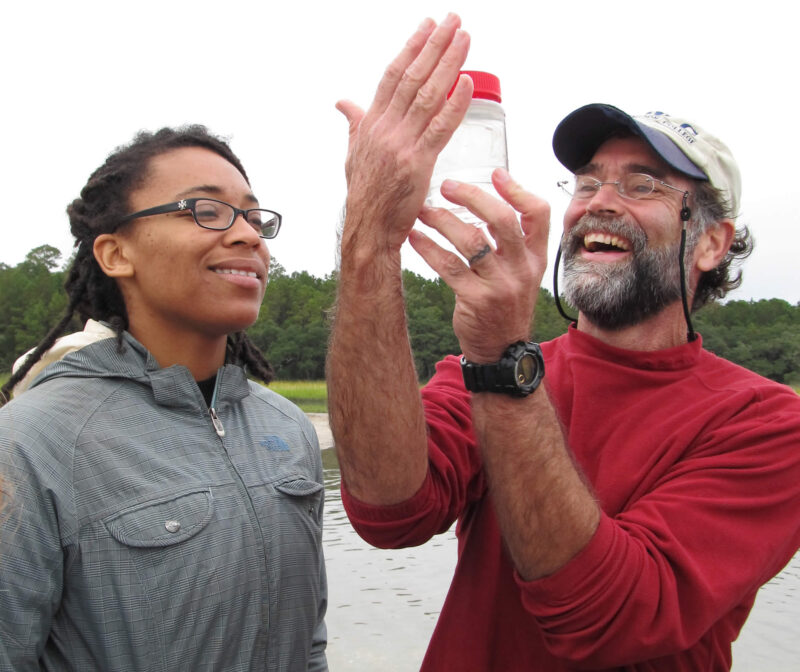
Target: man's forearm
[
  {"x": 373, "y": 393},
  {"x": 546, "y": 512}
]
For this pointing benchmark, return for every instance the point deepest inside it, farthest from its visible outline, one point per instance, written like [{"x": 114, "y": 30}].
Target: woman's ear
[
  {"x": 111, "y": 255},
  {"x": 713, "y": 245}
]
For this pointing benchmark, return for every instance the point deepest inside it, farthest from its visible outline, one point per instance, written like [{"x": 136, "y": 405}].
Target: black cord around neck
[
  {"x": 561, "y": 310},
  {"x": 685, "y": 216}
]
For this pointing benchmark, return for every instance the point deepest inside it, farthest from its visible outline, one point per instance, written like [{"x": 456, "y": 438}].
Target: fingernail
[
  {"x": 502, "y": 175},
  {"x": 450, "y": 185}
]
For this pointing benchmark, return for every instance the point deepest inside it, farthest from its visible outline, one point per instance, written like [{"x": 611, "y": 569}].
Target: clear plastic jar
[{"x": 477, "y": 147}]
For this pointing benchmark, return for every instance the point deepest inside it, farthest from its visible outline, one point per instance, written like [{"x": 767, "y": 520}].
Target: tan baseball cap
[{"x": 680, "y": 143}]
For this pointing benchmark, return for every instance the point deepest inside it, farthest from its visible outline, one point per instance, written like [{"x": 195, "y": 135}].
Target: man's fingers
[
  {"x": 434, "y": 115},
  {"x": 417, "y": 74},
  {"x": 470, "y": 241},
  {"x": 352, "y": 112},
  {"x": 515, "y": 234},
  {"x": 534, "y": 212},
  {"x": 397, "y": 68},
  {"x": 448, "y": 265}
]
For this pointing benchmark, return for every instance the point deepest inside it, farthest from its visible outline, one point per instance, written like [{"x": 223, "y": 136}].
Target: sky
[{"x": 80, "y": 78}]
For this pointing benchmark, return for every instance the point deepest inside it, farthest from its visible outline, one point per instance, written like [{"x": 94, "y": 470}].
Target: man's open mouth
[{"x": 605, "y": 242}]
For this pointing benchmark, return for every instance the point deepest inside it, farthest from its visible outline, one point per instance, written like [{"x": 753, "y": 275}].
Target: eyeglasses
[
  {"x": 635, "y": 186},
  {"x": 209, "y": 213}
]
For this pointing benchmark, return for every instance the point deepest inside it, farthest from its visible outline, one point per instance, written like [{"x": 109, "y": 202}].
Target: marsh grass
[{"x": 310, "y": 395}]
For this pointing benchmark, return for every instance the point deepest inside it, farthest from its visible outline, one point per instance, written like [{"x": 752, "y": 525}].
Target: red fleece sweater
[{"x": 696, "y": 465}]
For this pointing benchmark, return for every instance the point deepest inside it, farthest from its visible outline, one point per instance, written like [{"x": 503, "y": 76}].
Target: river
[{"x": 383, "y": 604}]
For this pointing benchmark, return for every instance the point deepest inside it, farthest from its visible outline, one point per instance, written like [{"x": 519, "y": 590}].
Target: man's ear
[
  {"x": 713, "y": 245},
  {"x": 110, "y": 253}
]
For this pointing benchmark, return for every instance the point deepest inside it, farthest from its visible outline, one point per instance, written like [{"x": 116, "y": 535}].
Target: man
[{"x": 620, "y": 502}]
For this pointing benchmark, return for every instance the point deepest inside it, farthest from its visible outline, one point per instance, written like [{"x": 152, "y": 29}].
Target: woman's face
[{"x": 184, "y": 279}]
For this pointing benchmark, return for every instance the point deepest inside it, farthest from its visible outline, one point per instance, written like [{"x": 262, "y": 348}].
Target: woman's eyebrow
[{"x": 212, "y": 190}]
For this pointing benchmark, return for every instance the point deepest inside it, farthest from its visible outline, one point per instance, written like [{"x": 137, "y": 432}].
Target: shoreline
[{"x": 321, "y": 426}]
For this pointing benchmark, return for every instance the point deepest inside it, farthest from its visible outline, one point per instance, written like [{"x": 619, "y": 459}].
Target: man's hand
[
  {"x": 496, "y": 291},
  {"x": 545, "y": 511},
  {"x": 393, "y": 146},
  {"x": 379, "y": 429}
]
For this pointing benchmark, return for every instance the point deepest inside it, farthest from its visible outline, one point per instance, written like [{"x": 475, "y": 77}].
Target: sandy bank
[{"x": 320, "y": 422}]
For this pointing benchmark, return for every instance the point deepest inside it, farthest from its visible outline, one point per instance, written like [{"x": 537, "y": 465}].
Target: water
[
  {"x": 770, "y": 639},
  {"x": 383, "y": 604}
]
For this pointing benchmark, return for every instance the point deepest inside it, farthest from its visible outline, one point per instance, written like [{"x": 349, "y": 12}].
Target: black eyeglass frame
[
  {"x": 599, "y": 184},
  {"x": 190, "y": 203}
]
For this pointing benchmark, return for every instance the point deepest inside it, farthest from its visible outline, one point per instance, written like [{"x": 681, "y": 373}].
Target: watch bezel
[{"x": 501, "y": 376}]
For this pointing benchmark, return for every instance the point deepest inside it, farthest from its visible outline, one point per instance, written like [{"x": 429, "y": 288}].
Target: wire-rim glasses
[
  {"x": 635, "y": 186},
  {"x": 209, "y": 213}
]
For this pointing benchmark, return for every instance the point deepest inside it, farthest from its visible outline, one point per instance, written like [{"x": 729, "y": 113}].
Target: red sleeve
[
  {"x": 688, "y": 555},
  {"x": 454, "y": 478}
]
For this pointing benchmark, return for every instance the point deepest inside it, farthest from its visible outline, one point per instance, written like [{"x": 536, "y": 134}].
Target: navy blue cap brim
[{"x": 580, "y": 134}]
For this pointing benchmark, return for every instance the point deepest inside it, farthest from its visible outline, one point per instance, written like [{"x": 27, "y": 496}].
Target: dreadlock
[{"x": 102, "y": 204}]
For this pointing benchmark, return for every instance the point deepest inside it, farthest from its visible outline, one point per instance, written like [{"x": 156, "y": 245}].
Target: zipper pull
[{"x": 216, "y": 421}]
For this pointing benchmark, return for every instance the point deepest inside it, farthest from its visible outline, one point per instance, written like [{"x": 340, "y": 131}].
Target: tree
[
  {"x": 31, "y": 300},
  {"x": 294, "y": 325}
]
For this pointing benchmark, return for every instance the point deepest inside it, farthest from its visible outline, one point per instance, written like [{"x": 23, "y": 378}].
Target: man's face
[{"x": 621, "y": 255}]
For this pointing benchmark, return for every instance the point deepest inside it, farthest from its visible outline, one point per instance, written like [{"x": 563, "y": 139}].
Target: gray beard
[{"x": 622, "y": 294}]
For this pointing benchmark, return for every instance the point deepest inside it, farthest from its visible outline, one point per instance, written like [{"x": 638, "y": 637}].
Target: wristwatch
[{"x": 518, "y": 373}]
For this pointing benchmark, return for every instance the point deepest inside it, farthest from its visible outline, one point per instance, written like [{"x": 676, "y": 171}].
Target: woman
[{"x": 167, "y": 512}]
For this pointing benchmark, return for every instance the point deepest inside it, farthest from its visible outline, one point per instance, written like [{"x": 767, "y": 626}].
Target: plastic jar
[{"x": 477, "y": 147}]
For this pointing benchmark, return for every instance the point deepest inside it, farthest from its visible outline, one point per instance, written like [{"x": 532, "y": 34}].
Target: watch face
[{"x": 526, "y": 369}]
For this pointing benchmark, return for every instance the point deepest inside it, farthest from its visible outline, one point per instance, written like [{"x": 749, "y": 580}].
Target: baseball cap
[{"x": 683, "y": 145}]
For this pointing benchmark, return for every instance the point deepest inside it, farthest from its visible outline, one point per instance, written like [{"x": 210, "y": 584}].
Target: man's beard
[{"x": 619, "y": 294}]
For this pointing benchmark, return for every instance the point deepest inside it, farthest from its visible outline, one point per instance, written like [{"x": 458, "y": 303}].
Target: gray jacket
[{"x": 146, "y": 534}]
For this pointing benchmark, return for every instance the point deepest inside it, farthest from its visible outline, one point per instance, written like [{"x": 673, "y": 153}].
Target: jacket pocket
[
  {"x": 302, "y": 493},
  {"x": 163, "y": 522}
]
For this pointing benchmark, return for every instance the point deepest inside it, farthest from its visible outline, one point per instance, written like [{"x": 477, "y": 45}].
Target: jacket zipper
[
  {"x": 254, "y": 520},
  {"x": 213, "y": 411}
]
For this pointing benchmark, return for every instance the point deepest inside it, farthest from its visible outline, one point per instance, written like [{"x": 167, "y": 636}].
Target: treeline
[{"x": 293, "y": 327}]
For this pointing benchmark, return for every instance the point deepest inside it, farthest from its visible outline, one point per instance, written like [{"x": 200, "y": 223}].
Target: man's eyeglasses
[
  {"x": 635, "y": 186},
  {"x": 210, "y": 213}
]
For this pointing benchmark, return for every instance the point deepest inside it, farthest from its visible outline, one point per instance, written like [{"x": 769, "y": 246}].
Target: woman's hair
[{"x": 102, "y": 205}]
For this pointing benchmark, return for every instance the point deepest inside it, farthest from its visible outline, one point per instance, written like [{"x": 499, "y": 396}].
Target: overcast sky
[{"x": 80, "y": 78}]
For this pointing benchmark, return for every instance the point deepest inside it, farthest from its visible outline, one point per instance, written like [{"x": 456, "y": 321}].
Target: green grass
[{"x": 310, "y": 395}]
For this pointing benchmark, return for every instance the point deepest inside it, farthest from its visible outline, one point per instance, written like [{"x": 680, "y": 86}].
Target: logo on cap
[{"x": 684, "y": 130}]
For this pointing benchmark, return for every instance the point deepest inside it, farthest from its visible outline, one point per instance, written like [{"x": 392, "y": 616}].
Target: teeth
[
  {"x": 234, "y": 271},
  {"x": 605, "y": 239}
]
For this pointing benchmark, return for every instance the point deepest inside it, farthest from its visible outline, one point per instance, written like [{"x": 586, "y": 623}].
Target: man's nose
[{"x": 606, "y": 199}]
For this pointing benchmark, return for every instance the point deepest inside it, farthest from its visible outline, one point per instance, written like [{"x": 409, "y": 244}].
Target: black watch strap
[{"x": 518, "y": 373}]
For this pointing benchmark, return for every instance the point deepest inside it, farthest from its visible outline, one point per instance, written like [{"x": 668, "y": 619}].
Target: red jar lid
[{"x": 485, "y": 85}]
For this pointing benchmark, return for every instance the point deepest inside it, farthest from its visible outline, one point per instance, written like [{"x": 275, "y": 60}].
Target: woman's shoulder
[
  {"x": 55, "y": 410},
  {"x": 282, "y": 410}
]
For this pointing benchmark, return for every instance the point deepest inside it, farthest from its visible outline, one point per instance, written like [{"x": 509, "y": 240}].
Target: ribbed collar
[{"x": 671, "y": 359}]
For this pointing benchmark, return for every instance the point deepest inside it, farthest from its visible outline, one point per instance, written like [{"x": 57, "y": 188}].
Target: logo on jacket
[{"x": 272, "y": 442}]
